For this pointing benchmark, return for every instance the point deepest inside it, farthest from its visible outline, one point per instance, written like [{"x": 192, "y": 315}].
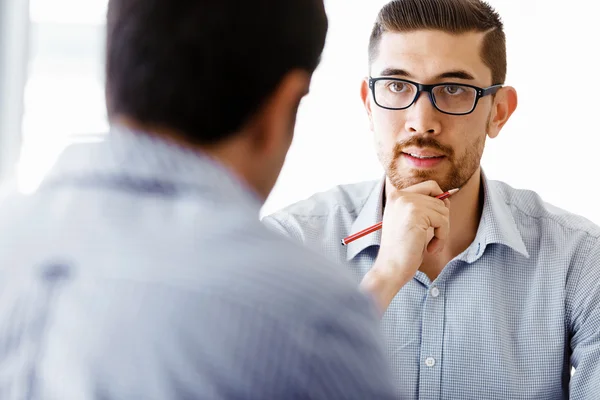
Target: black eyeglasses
[{"x": 448, "y": 98}]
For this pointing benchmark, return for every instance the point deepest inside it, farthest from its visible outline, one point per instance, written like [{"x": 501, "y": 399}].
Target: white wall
[
  {"x": 13, "y": 58},
  {"x": 64, "y": 94},
  {"x": 550, "y": 145}
]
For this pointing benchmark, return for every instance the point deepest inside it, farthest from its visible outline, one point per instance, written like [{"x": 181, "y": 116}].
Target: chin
[{"x": 402, "y": 180}]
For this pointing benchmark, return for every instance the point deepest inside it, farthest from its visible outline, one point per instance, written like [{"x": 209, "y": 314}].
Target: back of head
[
  {"x": 451, "y": 16},
  {"x": 203, "y": 67}
]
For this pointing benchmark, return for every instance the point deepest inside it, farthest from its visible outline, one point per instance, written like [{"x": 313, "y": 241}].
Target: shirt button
[
  {"x": 430, "y": 361},
  {"x": 435, "y": 292}
]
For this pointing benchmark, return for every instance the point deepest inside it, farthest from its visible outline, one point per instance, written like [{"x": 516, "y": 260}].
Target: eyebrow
[{"x": 456, "y": 74}]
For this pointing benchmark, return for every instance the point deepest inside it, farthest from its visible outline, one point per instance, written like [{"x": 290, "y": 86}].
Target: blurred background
[{"x": 51, "y": 97}]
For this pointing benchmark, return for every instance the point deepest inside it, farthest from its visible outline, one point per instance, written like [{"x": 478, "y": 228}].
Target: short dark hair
[
  {"x": 452, "y": 16},
  {"x": 204, "y": 67}
]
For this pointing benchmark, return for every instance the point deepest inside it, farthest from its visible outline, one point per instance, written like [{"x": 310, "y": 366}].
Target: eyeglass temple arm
[{"x": 490, "y": 90}]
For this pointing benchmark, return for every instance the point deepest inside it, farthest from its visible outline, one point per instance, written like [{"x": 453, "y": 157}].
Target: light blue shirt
[
  {"x": 140, "y": 270},
  {"x": 506, "y": 319}
]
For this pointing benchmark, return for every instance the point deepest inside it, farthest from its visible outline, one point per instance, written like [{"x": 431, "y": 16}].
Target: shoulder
[
  {"x": 329, "y": 212},
  {"x": 350, "y": 197},
  {"x": 529, "y": 209}
]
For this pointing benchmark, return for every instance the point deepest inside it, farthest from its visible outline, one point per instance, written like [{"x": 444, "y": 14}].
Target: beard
[{"x": 454, "y": 173}]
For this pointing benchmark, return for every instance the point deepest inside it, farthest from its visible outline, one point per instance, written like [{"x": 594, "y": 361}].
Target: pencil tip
[{"x": 452, "y": 191}]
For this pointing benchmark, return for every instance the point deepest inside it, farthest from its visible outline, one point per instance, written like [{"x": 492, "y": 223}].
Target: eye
[
  {"x": 398, "y": 87},
  {"x": 453, "y": 90}
]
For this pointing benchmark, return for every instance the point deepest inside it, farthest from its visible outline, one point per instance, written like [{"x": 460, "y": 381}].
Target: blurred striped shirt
[{"x": 140, "y": 270}]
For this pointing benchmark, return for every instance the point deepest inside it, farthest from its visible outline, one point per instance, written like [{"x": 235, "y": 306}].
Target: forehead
[{"x": 426, "y": 54}]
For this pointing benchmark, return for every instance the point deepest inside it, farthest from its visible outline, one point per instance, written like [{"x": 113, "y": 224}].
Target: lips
[{"x": 422, "y": 158}]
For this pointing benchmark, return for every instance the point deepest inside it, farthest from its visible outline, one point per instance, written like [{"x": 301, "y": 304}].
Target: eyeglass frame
[{"x": 480, "y": 92}]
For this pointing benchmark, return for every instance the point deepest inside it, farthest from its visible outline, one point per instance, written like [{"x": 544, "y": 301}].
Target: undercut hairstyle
[{"x": 451, "y": 16}]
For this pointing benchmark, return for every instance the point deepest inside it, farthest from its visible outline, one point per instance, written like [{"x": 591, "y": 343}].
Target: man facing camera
[{"x": 492, "y": 293}]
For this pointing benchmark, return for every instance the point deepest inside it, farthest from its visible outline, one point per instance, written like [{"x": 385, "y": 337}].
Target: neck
[{"x": 466, "y": 207}]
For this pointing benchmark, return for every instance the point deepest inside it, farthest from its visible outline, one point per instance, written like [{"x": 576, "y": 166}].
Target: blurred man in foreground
[{"x": 139, "y": 270}]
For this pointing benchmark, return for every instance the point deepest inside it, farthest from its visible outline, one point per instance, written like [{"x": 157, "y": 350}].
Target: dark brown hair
[
  {"x": 452, "y": 16},
  {"x": 204, "y": 67}
]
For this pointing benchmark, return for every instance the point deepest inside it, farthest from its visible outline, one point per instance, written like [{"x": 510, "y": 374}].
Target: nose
[{"x": 422, "y": 117}]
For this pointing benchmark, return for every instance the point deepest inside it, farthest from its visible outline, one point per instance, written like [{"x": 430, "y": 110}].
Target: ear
[
  {"x": 366, "y": 99},
  {"x": 273, "y": 125},
  {"x": 505, "y": 104}
]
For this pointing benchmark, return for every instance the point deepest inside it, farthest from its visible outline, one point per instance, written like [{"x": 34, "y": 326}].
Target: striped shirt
[
  {"x": 140, "y": 270},
  {"x": 506, "y": 319}
]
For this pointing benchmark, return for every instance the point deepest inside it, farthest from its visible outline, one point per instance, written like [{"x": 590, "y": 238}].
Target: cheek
[
  {"x": 477, "y": 122},
  {"x": 466, "y": 132},
  {"x": 384, "y": 146}
]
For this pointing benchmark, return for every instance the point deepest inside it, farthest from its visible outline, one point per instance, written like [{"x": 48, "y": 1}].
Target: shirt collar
[
  {"x": 497, "y": 224},
  {"x": 370, "y": 214},
  {"x": 141, "y": 156}
]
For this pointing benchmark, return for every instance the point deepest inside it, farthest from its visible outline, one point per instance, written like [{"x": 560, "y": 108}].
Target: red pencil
[{"x": 378, "y": 225}]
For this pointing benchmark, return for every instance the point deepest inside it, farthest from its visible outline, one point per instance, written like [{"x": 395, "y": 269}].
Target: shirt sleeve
[{"x": 584, "y": 310}]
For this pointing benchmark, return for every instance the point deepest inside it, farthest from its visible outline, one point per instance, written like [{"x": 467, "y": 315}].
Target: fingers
[
  {"x": 418, "y": 208},
  {"x": 440, "y": 238},
  {"x": 435, "y": 245},
  {"x": 440, "y": 222}
]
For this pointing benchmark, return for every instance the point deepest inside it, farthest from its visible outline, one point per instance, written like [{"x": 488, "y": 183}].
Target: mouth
[
  {"x": 421, "y": 156},
  {"x": 422, "y": 159}
]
